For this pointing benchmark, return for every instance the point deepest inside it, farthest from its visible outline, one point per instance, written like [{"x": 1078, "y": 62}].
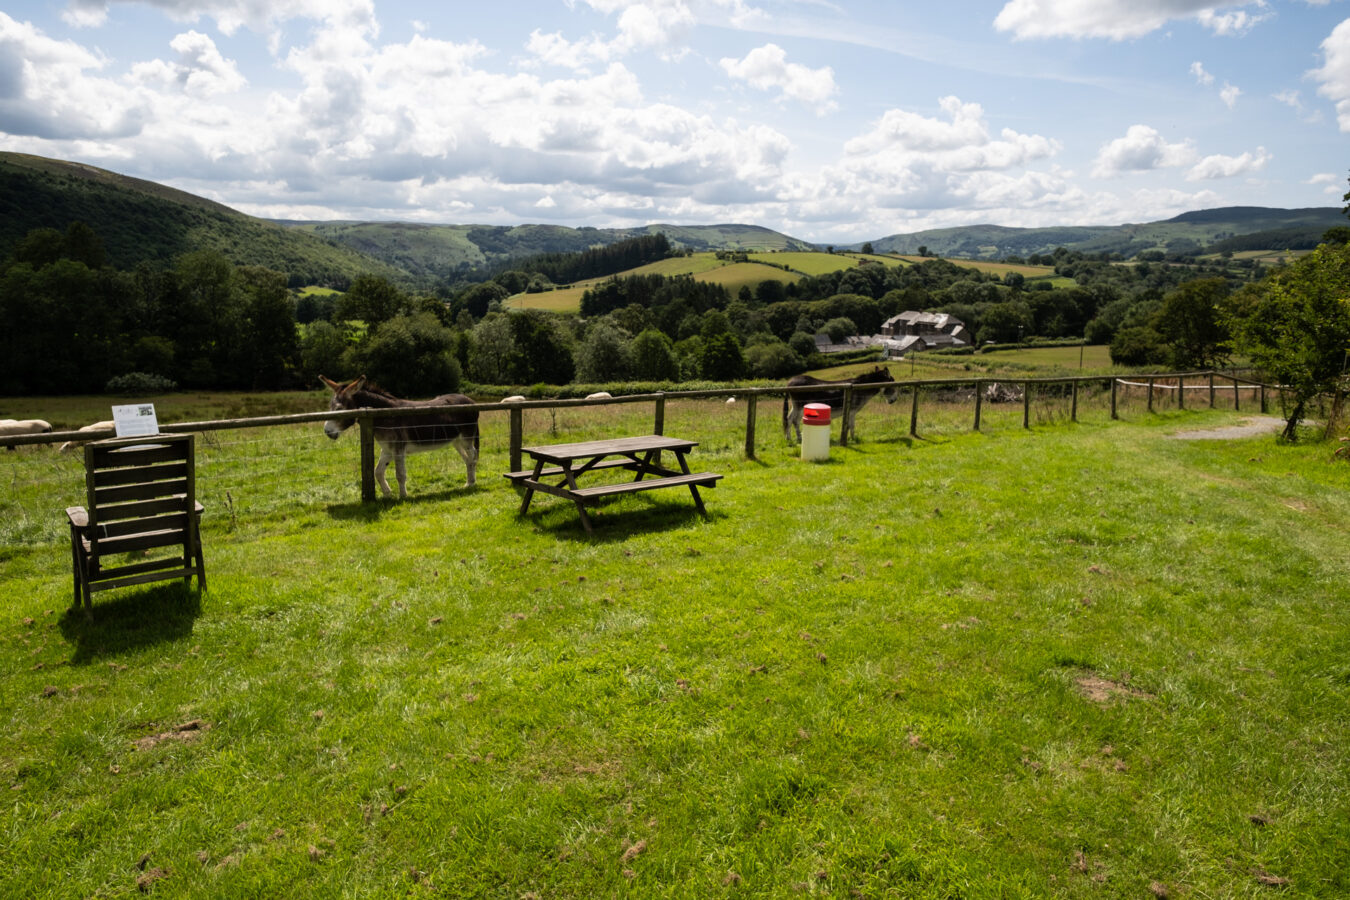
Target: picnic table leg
[
  {"x": 650, "y": 458},
  {"x": 693, "y": 488},
  {"x": 571, "y": 480},
  {"x": 529, "y": 490}
]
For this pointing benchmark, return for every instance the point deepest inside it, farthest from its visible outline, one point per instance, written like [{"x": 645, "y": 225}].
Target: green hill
[
  {"x": 1188, "y": 232},
  {"x": 449, "y": 251},
  {"x": 144, "y": 222}
]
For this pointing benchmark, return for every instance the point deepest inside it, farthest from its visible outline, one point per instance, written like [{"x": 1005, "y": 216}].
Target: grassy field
[
  {"x": 739, "y": 275},
  {"x": 1076, "y": 661},
  {"x": 703, "y": 266},
  {"x": 807, "y": 263}
]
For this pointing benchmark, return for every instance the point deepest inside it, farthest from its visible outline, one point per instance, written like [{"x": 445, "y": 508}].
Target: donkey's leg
[
  {"x": 401, "y": 470},
  {"x": 385, "y": 455},
  {"x": 469, "y": 453}
]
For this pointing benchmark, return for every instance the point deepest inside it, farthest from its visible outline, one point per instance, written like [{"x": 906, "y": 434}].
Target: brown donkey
[{"x": 400, "y": 435}]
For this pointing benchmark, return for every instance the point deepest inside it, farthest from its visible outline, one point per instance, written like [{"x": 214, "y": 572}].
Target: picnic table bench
[{"x": 641, "y": 455}]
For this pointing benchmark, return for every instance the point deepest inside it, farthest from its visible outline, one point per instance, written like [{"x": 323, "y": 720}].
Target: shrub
[{"x": 140, "y": 383}]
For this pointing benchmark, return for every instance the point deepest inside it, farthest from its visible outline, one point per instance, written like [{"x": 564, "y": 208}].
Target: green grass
[
  {"x": 1072, "y": 662},
  {"x": 751, "y": 275},
  {"x": 703, "y": 266},
  {"x": 807, "y": 263}
]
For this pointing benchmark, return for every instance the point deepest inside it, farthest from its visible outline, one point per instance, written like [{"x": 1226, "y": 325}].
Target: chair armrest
[{"x": 78, "y": 517}]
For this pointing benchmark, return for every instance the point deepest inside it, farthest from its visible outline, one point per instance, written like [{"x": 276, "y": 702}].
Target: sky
[{"x": 834, "y": 121}]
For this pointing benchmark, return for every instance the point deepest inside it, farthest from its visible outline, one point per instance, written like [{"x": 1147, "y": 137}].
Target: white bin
[{"x": 816, "y": 432}]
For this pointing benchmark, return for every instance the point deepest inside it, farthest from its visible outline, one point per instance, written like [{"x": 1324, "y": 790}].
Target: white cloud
[
  {"x": 1229, "y": 166},
  {"x": 1334, "y": 76},
  {"x": 1329, "y": 182},
  {"x": 1229, "y": 94},
  {"x": 1237, "y": 22},
  {"x": 200, "y": 70},
  {"x": 1117, "y": 19},
  {"x": 909, "y": 162},
  {"x": 766, "y": 68},
  {"x": 659, "y": 26},
  {"x": 1142, "y": 149},
  {"x": 51, "y": 90},
  {"x": 1201, "y": 76},
  {"x": 230, "y": 15}
]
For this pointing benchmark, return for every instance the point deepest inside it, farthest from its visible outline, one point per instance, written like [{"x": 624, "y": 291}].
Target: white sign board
[{"x": 136, "y": 420}]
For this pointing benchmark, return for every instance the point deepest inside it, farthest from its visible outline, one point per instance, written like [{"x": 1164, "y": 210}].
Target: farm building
[
  {"x": 908, "y": 332},
  {"x": 912, "y": 332}
]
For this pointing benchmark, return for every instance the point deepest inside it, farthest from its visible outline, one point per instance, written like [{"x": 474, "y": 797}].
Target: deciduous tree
[{"x": 1295, "y": 325}]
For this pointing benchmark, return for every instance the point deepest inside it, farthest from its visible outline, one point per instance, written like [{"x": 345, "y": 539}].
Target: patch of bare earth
[
  {"x": 188, "y": 731},
  {"x": 1104, "y": 690},
  {"x": 1246, "y": 428}
]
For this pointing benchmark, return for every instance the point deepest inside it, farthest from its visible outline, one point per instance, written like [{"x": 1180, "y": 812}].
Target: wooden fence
[{"x": 1208, "y": 382}]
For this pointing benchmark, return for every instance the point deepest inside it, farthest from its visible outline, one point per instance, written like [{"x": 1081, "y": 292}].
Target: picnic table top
[{"x": 560, "y": 452}]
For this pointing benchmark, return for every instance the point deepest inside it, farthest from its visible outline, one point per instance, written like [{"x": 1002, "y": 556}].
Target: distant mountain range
[
  {"x": 146, "y": 222},
  {"x": 1260, "y": 228}
]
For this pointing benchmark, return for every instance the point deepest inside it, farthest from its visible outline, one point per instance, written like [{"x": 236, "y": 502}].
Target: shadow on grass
[
  {"x": 618, "y": 520},
  {"x": 132, "y": 618},
  {"x": 361, "y": 511}
]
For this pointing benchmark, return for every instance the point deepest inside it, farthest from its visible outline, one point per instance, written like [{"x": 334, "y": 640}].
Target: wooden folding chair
[{"x": 141, "y": 502}]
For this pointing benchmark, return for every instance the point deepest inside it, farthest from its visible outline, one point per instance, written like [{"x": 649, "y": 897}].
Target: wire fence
[{"x": 251, "y": 469}]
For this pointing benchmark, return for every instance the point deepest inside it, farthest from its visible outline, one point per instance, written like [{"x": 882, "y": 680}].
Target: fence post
[
  {"x": 1026, "y": 404},
  {"x": 1211, "y": 390},
  {"x": 1073, "y": 407},
  {"x": 1181, "y": 392},
  {"x": 517, "y": 436},
  {"x": 914, "y": 413},
  {"x": 751, "y": 402},
  {"x": 1150, "y": 394},
  {"x": 659, "y": 427},
  {"x": 1235, "y": 395},
  {"x": 844, "y": 415},
  {"x": 1263, "y": 399},
  {"x": 367, "y": 460},
  {"x": 1114, "y": 387},
  {"x": 979, "y": 402}
]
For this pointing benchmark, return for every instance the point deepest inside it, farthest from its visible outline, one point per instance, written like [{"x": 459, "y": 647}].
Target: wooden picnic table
[{"x": 563, "y": 463}]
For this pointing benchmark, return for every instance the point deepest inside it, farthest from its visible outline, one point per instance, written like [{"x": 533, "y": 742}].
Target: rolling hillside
[
  {"x": 145, "y": 222},
  {"x": 1188, "y": 232},
  {"x": 450, "y": 251}
]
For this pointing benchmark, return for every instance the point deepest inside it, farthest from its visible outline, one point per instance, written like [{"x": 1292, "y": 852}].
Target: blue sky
[{"x": 831, "y": 120}]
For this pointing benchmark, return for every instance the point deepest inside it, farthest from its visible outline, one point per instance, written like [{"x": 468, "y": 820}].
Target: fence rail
[{"x": 366, "y": 418}]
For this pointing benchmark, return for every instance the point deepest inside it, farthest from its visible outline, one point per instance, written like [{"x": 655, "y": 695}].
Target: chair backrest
[{"x": 141, "y": 493}]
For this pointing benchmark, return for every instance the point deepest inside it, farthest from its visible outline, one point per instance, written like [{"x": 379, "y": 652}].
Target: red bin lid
[{"x": 816, "y": 414}]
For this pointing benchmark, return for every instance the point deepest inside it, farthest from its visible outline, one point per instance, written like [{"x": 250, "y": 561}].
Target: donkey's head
[
  {"x": 880, "y": 375},
  {"x": 344, "y": 398}
]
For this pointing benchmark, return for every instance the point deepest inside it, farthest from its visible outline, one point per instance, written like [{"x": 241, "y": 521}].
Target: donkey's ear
[
  {"x": 330, "y": 383},
  {"x": 359, "y": 383}
]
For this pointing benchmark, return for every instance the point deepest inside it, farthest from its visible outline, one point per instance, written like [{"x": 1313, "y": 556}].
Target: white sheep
[
  {"x": 16, "y": 427},
  {"x": 97, "y": 426}
]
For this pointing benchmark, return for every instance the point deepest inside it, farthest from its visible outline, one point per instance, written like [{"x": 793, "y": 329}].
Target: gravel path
[{"x": 1250, "y": 427}]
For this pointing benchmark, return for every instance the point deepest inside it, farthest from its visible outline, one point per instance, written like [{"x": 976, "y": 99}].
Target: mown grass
[{"x": 1076, "y": 661}]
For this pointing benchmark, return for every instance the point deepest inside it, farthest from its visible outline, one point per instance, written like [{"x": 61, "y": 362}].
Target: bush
[
  {"x": 411, "y": 356},
  {"x": 773, "y": 360},
  {"x": 140, "y": 383}
]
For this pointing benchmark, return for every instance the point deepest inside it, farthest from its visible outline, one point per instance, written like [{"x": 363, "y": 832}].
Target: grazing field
[
  {"x": 1085, "y": 660},
  {"x": 807, "y": 263},
  {"x": 703, "y": 266},
  {"x": 738, "y": 275}
]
